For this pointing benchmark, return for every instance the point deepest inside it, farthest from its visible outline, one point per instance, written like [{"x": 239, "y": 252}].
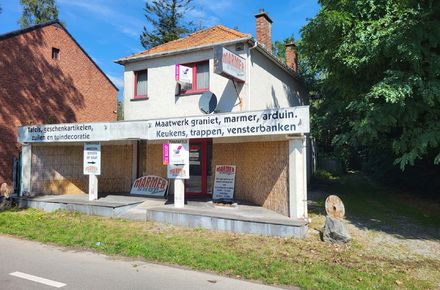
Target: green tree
[
  {"x": 377, "y": 66},
  {"x": 37, "y": 11},
  {"x": 279, "y": 47},
  {"x": 167, "y": 20}
]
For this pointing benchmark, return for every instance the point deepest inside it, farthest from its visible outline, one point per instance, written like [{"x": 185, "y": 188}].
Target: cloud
[{"x": 126, "y": 24}]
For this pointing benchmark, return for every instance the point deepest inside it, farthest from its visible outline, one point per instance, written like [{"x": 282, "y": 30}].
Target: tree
[
  {"x": 37, "y": 11},
  {"x": 279, "y": 47},
  {"x": 167, "y": 20},
  {"x": 377, "y": 66}
]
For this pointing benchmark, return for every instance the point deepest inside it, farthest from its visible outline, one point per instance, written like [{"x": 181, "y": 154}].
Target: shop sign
[
  {"x": 224, "y": 183},
  {"x": 150, "y": 185},
  {"x": 178, "y": 167},
  {"x": 283, "y": 121},
  {"x": 92, "y": 158},
  {"x": 229, "y": 64},
  {"x": 83, "y": 132}
]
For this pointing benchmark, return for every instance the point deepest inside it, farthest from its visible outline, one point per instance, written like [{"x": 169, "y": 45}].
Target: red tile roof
[{"x": 213, "y": 35}]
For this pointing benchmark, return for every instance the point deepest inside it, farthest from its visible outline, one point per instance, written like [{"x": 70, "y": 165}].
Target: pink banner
[{"x": 166, "y": 153}]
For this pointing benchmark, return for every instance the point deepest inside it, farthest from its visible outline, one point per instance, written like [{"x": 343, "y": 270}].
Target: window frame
[
  {"x": 135, "y": 95},
  {"x": 194, "y": 89},
  {"x": 55, "y": 53}
]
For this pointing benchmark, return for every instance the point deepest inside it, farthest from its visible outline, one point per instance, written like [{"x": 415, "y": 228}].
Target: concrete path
[{"x": 31, "y": 265}]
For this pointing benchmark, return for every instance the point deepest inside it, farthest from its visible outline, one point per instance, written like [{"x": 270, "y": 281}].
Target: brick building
[{"x": 47, "y": 77}]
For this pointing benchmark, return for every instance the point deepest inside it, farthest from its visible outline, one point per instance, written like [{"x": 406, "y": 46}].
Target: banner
[{"x": 268, "y": 122}]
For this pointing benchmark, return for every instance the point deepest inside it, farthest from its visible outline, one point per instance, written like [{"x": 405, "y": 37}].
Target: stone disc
[{"x": 334, "y": 207}]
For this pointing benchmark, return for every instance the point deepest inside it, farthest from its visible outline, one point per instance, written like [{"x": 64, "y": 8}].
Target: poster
[
  {"x": 224, "y": 183},
  {"x": 178, "y": 167},
  {"x": 92, "y": 158}
]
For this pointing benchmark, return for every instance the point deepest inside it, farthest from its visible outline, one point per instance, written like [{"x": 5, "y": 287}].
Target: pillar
[
  {"x": 26, "y": 163},
  {"x": 298, "y": 178}
]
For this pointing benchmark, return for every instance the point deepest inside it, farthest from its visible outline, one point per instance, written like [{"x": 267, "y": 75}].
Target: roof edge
[{"x": 125, "y": 60}]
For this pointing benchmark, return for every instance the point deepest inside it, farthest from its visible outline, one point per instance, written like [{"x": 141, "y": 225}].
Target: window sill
[
  {"x": 192, "y": 93},
  {"x": 143, "y": 98}
]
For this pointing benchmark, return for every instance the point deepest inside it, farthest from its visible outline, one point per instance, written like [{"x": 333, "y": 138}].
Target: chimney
[
  {"x": 264, "y": 29},
  {"x": 291, "y": 56}
]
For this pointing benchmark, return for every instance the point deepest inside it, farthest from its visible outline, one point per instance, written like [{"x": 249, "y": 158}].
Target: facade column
[
  {"x": 298, "y": 178},
  {"x": 26, "y": 164},
  {"x": 134, "y": 162}
]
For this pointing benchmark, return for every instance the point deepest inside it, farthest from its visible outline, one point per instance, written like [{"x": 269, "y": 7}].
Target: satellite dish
[
  {"x": 208, "y": 102},
  {"x": 334, "y": 207}
]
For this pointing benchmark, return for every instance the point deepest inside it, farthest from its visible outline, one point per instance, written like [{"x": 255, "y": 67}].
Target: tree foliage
[
  {"x": 167, "y": 20},
  {"x": 279, "y": 47},
  {"x": 377, "y": 66},
  {"x": 37, "y": 11}
]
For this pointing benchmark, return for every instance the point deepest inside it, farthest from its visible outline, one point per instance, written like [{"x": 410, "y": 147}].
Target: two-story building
[{"x": 220, "y": 89}]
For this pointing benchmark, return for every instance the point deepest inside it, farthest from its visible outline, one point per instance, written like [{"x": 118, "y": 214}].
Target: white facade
[{"x": 267, "y": 85}]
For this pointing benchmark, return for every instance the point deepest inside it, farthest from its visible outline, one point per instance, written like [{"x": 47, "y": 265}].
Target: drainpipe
[{"x": 249, "y": 72}]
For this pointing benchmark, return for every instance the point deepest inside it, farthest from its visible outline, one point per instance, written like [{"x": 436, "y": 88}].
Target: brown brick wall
[
  {"x": 264, "y": 30},
  {"x": 59, "y": 169},
  {"x": 36, "y": 89},
  {"x": 262, "y": 172}
]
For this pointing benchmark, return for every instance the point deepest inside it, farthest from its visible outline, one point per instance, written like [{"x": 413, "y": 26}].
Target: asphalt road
[{"x": 31, "y": 265}]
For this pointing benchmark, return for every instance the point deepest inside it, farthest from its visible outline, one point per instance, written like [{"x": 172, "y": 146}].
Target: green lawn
[{"x": 307, "y": 263}]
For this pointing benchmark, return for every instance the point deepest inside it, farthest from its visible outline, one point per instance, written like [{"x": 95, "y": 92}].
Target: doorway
[{"x": 200, "y": 157}]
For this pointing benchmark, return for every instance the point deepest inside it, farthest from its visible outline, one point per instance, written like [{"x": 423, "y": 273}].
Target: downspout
[{"x": 249, "y": 72}]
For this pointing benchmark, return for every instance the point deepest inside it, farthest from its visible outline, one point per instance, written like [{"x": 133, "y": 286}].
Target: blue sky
[{"x": 110, "y": 29}]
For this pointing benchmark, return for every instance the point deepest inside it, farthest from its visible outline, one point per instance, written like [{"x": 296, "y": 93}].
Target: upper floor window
[
  {"x": 200, "y": 78},
  {"x": 140, "y": 84},
  {"x": 55, "y": 53}
]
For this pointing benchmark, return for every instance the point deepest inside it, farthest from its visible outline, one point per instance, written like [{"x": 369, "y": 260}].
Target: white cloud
[{"x": 118, "y": 81}]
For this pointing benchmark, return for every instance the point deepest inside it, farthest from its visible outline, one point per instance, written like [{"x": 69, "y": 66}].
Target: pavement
[{"x": 31, "y": 265}]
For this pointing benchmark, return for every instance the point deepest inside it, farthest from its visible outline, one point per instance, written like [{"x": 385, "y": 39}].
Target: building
[
  {"x": 47, "y": 77},
  {"x": 219, "y": 89}
]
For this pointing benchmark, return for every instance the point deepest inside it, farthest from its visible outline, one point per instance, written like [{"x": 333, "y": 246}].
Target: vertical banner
[
  {"x": 224, "y": 183},
  {"x": 92, "y": 158},
  {"x": 166, "y": 153}
]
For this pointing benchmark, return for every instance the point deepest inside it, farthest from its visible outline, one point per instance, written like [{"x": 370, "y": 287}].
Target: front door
[{"x": 200, "y": 155}]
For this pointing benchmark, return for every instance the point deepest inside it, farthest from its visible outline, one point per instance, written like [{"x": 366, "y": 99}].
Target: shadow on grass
[{"x": 375, "y": 207}]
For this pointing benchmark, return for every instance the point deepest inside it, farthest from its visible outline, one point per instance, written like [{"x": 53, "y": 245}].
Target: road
[{"x": 31, "y": 265}]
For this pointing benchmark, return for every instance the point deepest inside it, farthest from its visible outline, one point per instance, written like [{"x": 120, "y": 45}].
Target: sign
[
  {"x": 150, "y": 185},
  {"x": 92, "y": 158},
  {"x": 285, "y": 121},
  {"x": 83, "y": 132},
  {"x": 229, "y": 64},
  {"x": 184, "y": 74},
  {"x": 224, "y": 183},
  {"x": 178, "y": 167},
  {"x": 166, "y": 153}
]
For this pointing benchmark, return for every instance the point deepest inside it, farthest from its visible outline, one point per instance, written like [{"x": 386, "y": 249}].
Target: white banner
[
  {"x": 178, "y": 167},
  {"x": 83, "y": 132},
  {"x": 268, "y": 122}
]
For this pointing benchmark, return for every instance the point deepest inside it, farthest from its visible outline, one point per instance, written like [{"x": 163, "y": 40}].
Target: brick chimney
[
  {"x": 291, "y": 56},
  {"x": 264, "y": 29}
]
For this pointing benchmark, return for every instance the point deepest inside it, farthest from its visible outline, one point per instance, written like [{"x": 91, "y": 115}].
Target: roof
[
  {"x": 59, "y": 24},
  {"x": 207, "y": 37},
  {"x": 203, "y": 39}
]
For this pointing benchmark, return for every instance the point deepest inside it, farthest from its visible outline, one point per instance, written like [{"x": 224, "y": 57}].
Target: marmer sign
[{"x": 267, "y": 122}]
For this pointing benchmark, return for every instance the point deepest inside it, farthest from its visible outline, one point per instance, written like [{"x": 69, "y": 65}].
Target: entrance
[{"x": 200, "y": 157}]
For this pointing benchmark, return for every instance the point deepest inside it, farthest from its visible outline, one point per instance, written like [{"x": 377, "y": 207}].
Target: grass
[{"x": 307, "y": 263}]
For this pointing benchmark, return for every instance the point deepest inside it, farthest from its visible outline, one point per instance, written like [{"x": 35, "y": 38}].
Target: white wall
[{"x": 270, "y": 87}]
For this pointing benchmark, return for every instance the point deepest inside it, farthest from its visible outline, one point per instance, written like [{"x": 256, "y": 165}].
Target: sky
[{"x": 110, "y": 29}]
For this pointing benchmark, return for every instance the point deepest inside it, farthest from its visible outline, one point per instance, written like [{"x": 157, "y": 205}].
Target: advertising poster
[
  {"x": 178, "y": 167},
  {"x": 92, "y": 158},
  {"x": 150, "y": 185},
  {"x": 224, "y": 183}
]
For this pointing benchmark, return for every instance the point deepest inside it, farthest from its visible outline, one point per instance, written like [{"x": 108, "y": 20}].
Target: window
[
  {"x": 140, "y": 84},
  {"x": 55, "y": 53},
  {"x": 200, "y": 78}
]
